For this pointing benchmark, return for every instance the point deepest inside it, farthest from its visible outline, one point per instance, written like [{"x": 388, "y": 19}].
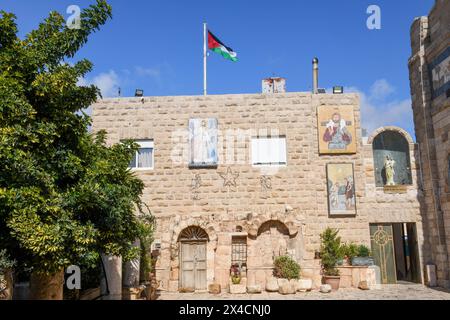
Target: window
[
  {"x": 269, "y": 151},
  {"x": 144, "y": 156},
  {"x": 239, "y": 251}
]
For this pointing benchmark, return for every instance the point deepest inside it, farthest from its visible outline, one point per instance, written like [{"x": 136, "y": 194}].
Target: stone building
[
  {"x": 429, "y": 68},
  {"x": 244, "y": 178}
]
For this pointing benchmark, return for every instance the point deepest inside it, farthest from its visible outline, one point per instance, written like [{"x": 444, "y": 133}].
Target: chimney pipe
[{"x": 315, "y": 63}]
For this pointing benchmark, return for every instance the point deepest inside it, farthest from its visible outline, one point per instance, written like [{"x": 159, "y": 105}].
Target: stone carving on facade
[
  {"x": 229, "y": 178},
  {"x": 266, "y": 183},
  {"x": 196, "y": 183}
]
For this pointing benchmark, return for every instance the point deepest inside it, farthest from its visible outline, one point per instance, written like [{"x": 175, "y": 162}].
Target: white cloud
[
  {"x": 108, "y": 83},
  {"x": 378, "y": 111},
  {"x": 148, "y": 72},
  {"x": 381, "y": 89}
]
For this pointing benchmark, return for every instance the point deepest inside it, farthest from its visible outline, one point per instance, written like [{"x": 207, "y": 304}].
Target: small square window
[{"x": 144, "y": 157}]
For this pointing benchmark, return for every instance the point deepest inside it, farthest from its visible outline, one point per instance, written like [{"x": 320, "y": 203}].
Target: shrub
[
  {"x": 286, "y": 267},
  {"x": 363, "y": 251},
  {"x": 349, "y": 250},
  {"x": 330, "y": 251}
]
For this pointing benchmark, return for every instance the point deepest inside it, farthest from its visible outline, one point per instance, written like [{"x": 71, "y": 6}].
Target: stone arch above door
[
  {"x": 183, "y": 224},
  {"x": 193, "y": 233}
]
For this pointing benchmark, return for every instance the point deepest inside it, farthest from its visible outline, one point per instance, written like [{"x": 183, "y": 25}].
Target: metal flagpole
[{"x": 204, "y": 57}]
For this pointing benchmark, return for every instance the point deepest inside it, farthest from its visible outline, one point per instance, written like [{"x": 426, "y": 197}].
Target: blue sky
[{"x": 157, "y": 46}]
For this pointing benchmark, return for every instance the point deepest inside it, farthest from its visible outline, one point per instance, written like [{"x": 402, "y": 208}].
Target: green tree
[
  {"x": 65, "y": 196},
  {"x": 330, "y": 251}
]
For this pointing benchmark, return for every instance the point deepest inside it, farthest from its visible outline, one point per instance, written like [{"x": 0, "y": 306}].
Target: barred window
[{"x": 239, "y": 251}]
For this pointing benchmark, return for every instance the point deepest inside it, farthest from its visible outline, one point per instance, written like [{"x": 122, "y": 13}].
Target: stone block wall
[
  {"x": 430, "y": 37},
  {"x": 296, "y": 195}
]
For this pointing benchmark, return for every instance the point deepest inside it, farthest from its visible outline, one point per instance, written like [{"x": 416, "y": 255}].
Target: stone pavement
[{"x": 386, "y": 292}]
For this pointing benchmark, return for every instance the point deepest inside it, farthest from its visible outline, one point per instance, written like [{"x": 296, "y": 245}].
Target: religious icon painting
[
  {"x": 336, "y": 130},
  {"x": 203, "y": 142},
  {"x": 341, "y": 189}
]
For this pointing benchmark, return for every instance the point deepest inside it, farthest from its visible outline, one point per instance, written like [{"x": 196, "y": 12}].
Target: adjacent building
[{"x": 429, "y": 68}]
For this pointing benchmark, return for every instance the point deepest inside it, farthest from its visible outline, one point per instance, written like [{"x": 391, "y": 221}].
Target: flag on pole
[{"x": 217, "y": 46}]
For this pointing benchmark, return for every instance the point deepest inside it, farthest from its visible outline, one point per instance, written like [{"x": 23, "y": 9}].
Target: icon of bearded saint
[{"x": 337, "y": 134}]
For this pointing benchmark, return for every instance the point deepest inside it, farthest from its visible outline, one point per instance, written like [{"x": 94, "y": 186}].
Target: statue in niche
[{"x": 389, "y": 170}]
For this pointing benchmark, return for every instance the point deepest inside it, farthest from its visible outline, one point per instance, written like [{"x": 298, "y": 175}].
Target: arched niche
[
  {"x": 273, "y": 239},
  {"x": 273, "y": 224},
  {"x": 393, "y": 143}
]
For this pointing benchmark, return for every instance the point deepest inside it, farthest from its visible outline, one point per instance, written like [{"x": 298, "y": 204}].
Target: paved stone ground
[{"x": 386, "y": 292}]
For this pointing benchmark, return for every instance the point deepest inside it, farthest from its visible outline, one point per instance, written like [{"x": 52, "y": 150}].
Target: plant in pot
[
  {"x": 287, "y": 268},
  {"x": 363, "y": 256},
  {"x": 6, "y": 276},
  {"x": 348, "y": 252},
  {"x": 235, "y": 273},
  {"x": 330, "y": 253}
]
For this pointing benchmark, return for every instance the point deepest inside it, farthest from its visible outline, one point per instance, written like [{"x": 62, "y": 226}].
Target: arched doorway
[{"x": 193, "y": 242}]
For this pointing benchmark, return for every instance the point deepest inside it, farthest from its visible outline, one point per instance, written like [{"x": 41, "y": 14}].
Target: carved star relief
[{"x": 229, "y": 178}]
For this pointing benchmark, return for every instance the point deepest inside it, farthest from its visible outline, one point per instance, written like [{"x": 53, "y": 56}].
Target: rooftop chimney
[
  {"x": 315, "y": 63},
  {"x": 274, "y": 85}
]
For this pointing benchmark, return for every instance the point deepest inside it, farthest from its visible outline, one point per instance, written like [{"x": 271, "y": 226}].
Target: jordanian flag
[{"x": 218, "y": 47}]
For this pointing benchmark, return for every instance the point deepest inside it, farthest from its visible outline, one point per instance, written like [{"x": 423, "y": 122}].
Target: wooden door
[
  {"x": 193, "y": 265},
  {"x": 382, "y": 242}
]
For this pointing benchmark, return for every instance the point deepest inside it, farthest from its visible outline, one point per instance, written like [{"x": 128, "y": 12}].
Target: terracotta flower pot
[{"x": 333, "y": 281}]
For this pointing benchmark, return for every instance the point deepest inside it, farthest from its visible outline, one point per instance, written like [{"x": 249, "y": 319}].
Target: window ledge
[
  {"x": 269, "y": 165},
  {"x": 141, "y": 169}
]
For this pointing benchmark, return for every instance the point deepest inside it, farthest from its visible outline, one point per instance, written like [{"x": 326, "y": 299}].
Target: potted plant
[
  {"x": 363, "y": 257},
  {"x": 330, "y": 252},
  {"x": 287, "y": 268},
  {"x": 6, "y": 276},
  {"x": 348, "y": 252},
  {"x": 235, "y": 273}
]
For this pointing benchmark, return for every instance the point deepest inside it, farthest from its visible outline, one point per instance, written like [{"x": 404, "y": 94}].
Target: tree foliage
[
  {"x": 330, "y": 251},
  {"x": 65, "y": 195}
]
